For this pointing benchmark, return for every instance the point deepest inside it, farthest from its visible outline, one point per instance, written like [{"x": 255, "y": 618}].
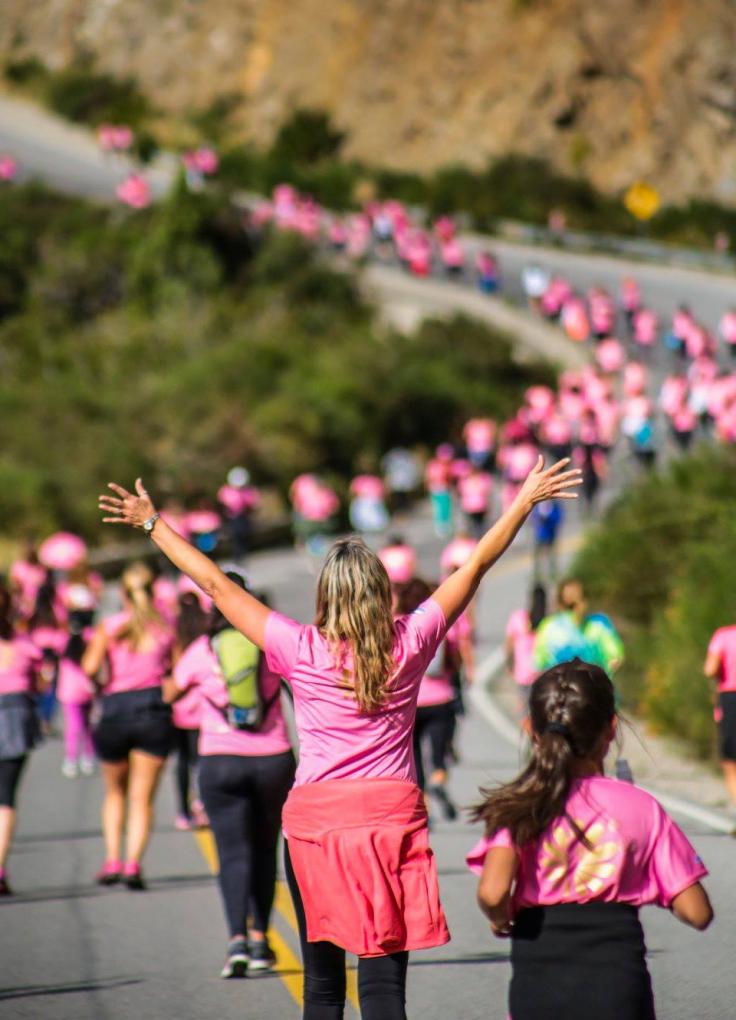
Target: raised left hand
[
  {"x": 550, "y": 483},
  {"x": 125, "y": 507}
]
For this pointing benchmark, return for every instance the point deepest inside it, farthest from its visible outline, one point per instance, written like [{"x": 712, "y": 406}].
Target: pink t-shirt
[
  {"x": 19, "y": 661},
  {"x": 28, "y": 578},
  {"x": 237, "y": 499},
  {"x": 521, "y": 636},
  {"x": 134, "y": 669},
  {"x": 73, "y": 686},
  {"x": 198, "y": 669},
  {"x": 456, "y": 554},
  {"x": 438, "y": 475},
  {"x": 638, "y": 855},
  {"x": 475, "y": 492},
  {"x": 479, "y": 434},
  {"x": 723, "y": 644},
  {"x": 336, "y": 739},
  {"x": 400, "y": 562}
]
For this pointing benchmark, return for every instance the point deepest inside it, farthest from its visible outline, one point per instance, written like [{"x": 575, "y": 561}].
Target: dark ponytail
[{"x": 571, "y": 708}]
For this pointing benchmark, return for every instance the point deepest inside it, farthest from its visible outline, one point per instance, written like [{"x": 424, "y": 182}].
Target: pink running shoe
[
  {"x": 132, "y": 875},
  {"x": 109, "y": 873},
  {"x": 182, "y": 823}
]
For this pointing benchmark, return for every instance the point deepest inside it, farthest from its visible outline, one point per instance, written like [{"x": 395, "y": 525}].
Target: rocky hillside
[{"x": 617, "y": 91}]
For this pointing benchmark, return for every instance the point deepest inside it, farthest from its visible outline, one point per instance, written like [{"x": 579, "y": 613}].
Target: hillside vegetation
[
  {"x": 661, "y": 561},
  {"x": 169, "y": 343}
]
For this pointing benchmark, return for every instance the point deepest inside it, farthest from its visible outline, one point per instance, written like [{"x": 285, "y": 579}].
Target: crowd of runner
[{"x": 194, "y": 662}]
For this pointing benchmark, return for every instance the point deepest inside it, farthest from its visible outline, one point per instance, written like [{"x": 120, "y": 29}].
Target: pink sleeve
[
  {"x": 186, "y": 670},
  {"x": 674, "y": 864},
  {"x": 477, "y": 856},
  {"x": 426, "y": 627},
  {"x": 282, "y": 644}
]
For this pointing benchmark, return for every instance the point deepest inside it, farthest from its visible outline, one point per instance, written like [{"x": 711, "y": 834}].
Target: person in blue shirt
[{"x": 546, "y": 525}]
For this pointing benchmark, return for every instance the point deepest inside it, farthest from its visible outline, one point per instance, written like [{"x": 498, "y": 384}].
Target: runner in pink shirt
[
  {"x": 480, "y": 438},
  {"x": 438, "y": 480},
  {"x": 239, "y": 501},
  {"x": 26, "y": 577},
  {"x": 76, "y": 692},
  {"x": 569, "y": 857},
  {"x": 355, "y": 819},
  {"x": 630, "y": 298},
  {"x": 244, "y": 777},
  {"x": 435, "y": 718},
  {"x": 720, "y": 665},
  {"x": 20, "y": 678},
  {"x": 646, "y": 328},
  {"x": 520, "y": 633},
  {"x": 610, "y": 355},
  {"x": 192, "y": 621},
  {"x": 475, "y": 492},
  {"x": 132, "y": 737}
]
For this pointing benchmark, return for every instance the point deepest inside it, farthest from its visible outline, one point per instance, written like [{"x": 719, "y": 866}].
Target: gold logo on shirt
[{"x": 568, "y": 865}]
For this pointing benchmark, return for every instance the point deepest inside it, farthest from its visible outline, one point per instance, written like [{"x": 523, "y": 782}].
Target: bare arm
[
  {"x": 494, "y": 888},
  {"x": 244, "y": 612},
  {"x": 94, "y": 653},
  {"x": 712, "y": 666},
  {"x": 454, "y": 594},
  {"x": 692, "y": 906}
]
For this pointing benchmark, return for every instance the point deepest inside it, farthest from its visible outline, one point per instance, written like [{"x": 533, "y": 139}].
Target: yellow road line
[{"x": 289, "y": 967}]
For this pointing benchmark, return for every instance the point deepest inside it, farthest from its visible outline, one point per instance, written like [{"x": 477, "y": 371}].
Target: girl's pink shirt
[
  {"x": 28, "y": 577},
  {"x": 638, "y": 855},
  {"x": 19, "y": 661},
  {"x": 198, "y": 670},
  {"x": 336, "y": 739},
  {"x": 136, "y": 669}
]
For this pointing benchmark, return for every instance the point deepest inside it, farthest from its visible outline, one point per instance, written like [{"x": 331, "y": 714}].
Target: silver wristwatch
[{"x": 150, "y": 524}]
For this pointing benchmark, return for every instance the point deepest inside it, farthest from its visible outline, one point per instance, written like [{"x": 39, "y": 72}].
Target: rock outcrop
[{"x": 618, "y": 91}]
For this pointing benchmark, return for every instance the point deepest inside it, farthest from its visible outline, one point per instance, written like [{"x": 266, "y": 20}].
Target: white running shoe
[
  {"x": 69, "y": 769},
  {"x": 87, "y": 766},
  {"x": 236, "y": 964}
]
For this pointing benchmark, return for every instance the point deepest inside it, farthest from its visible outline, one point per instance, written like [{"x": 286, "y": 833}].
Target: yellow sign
[{"x": 642, "y": 200}]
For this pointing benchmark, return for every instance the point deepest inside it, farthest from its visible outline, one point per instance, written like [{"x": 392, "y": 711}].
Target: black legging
[
  {"x": 437, "y": 724},
  {"x": 243, "y": 797},
  {"x": 10, "y": 773},
  {"x": 185, "y": 745},
  {"x": 381, "y": 979}
]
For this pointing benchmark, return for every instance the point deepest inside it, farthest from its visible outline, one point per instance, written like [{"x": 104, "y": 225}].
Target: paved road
[
  {"x": 68, "y": 158},
  {"x": 71, "y": 951}
]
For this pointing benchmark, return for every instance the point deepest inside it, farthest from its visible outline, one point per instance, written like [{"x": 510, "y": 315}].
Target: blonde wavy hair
[
  {"x": 137, "y": 583},
  {"x": 354, "y": 615}
]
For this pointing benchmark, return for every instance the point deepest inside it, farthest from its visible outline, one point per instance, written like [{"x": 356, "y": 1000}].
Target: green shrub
[
  {"x": 661, "y": 563},
  {"x": 307, "y": 137},
  {"x": 162, "y": 343}
]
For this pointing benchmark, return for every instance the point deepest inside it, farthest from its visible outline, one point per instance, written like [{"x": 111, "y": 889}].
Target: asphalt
[{"x": 71, "y": 951}]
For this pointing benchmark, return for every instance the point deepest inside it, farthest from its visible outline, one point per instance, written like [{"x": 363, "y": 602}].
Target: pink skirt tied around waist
[{"x": 366, "y": 873}]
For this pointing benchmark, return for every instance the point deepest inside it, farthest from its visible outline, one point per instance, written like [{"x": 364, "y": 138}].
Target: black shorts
[
  {"x": 727, "y": 726},
  {"x": 133, "y": 721},
  {"x": 10, "y": 770}
]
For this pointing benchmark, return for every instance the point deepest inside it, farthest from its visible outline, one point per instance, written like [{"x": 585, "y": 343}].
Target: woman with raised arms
[{"x": 355, "y": 814}]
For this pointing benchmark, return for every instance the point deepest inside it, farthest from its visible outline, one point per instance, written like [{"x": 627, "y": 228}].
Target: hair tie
[{"x": 559, "y": 728}]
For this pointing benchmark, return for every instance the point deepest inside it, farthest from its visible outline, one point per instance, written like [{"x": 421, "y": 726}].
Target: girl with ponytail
[
  {"x": 569, "y": 856},
  {"x": 129, "y": 657}
]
